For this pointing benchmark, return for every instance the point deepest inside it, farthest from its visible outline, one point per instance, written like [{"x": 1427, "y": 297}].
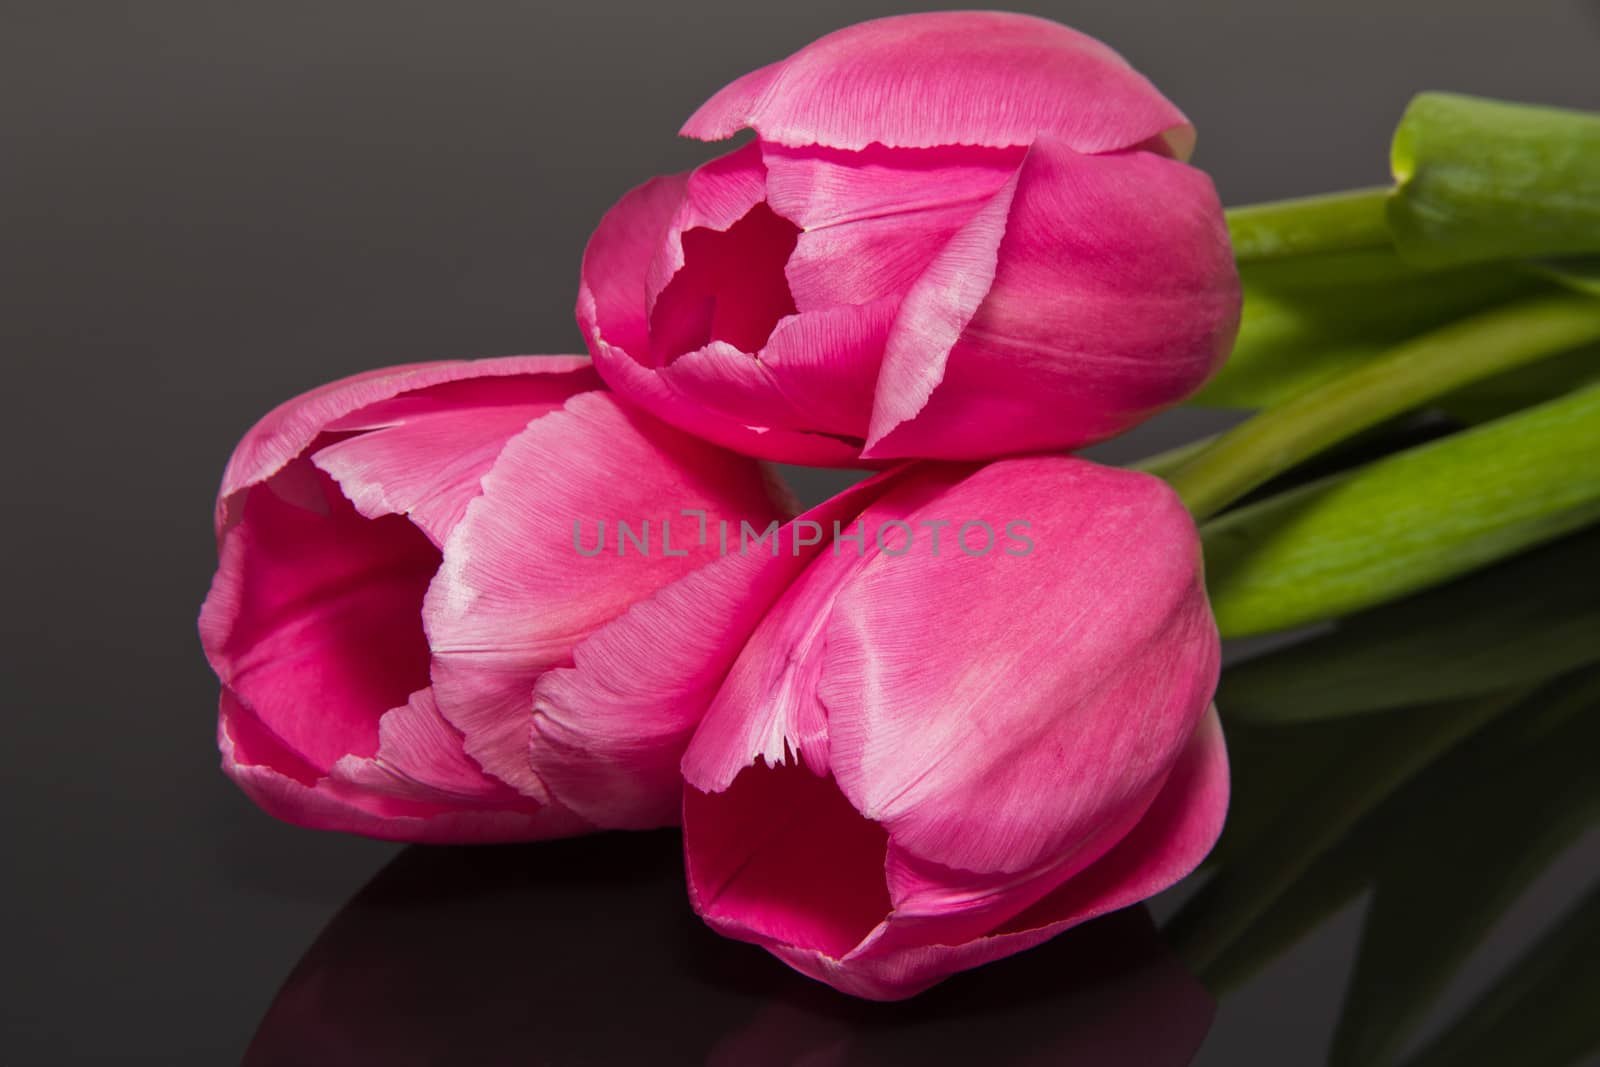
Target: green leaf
[
  {"x": 1407, "y": 522},
  {"x": 1516, "y": 623},
  {"x": 1487, "y": 825},
  {"x": 1481, "y": 180}
]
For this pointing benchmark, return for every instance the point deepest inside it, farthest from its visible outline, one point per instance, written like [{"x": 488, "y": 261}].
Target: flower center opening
[
  {"x": 730, "y": 288},
  {"x": 329, "y": 632},
  {"x": 781, "y": 852}
]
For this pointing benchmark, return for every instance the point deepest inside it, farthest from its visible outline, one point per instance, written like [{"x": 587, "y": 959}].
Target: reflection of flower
[{"x": 438, "y": 959}]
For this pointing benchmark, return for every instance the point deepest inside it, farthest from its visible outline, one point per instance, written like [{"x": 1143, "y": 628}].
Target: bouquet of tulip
[{"x": 967, "y": 703}]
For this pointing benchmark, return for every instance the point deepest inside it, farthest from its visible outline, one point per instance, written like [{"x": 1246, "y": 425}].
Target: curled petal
[
  {"x": 423, "y": 454},
  {"x": 613, "y": 307},
  {"x": 721, "y": 380},
  {"x": 609, "y": 731},
  {"x": 826, "y": 363},
  {"x": 613, "y": 303},
  {"x": 872, "y": 221},
  {"x": 763, "y": 710},
  {"x": 948, "y": 78},
  {"x": 1097, "y": 289},
  {"x": 677, "y": 405},
  {"x": 289, "y": 429},
  {"x": 779, "y": 858},
  {"x": 286, "y": 789},
  {"x": 715, "y": 196},
  {"x": 312, "y": 618},
  {"x": 515, "y": 594},
  {"x": 421, "y": 758},
  {"x": 814, "y": 376},
  {"x": 783, "y": 861},
  {"x": 1169, "y": 842}
]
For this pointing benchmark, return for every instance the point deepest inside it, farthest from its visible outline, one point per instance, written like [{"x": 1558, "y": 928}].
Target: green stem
[
  {"x": 1427, "y": 367},
  {"x": 1481, "y": 180},
  {"x": 1333, "y": 222}
]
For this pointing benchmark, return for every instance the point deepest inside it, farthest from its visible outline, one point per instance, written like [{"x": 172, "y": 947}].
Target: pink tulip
[
  {"x": 934, "y": 754},
  {"x": 955, "y": 235},
  {"x": 400, "y": 583}
]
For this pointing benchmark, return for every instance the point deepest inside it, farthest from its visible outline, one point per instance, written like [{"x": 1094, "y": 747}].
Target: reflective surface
[
  {"x": 208, "y": 208},
  {"x": 1422, "y": 880},
  {"x": 584, "y": 952}
]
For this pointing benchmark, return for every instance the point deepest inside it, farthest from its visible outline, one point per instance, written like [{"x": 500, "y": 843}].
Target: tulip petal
[
  {"x": 1174, "y": 835},
  {"x": 1076, "y": 673},
  {"x": 716, "y": 196},
  {"x": 721, "y": 380},
  {"x": 780, "y": 858},
  {"x": 826, "y": 363},
  {"x": 612, "y": 303},
  {"x": 730, "y": 288},
  {"x": 947, "y": 78},
  {"x": 1111, "y": 994},
  {"x": 872, "y": 221},
  {"x": 313, "y": 615},
  {"x": 422, "y": 454},
  {"x": 815, "y": 375},
  {"x": 421, "y": 758},
  {"x": 940, "y": 905},
  {"x": 515, "y": 594},
  {"x": 1098, "y": 289},
  {"x": 615, "y": 285},
  {"x": 288, "y": 790},
  {"x": 291, "y": 427},
  {"x": 610, "y": 731},
  {"x": 767, "y": 709},
  {"x": 1169, "y": 842}
]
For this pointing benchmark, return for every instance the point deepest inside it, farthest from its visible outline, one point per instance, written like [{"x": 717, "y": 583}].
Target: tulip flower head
[
  {"x": 398, "y": 574},
  {"x": 934, "y": 754},
  {"x": 955, "y": 235}
]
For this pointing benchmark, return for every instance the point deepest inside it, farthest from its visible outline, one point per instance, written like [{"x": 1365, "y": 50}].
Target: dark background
[{"x": 207, "y": 209}]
